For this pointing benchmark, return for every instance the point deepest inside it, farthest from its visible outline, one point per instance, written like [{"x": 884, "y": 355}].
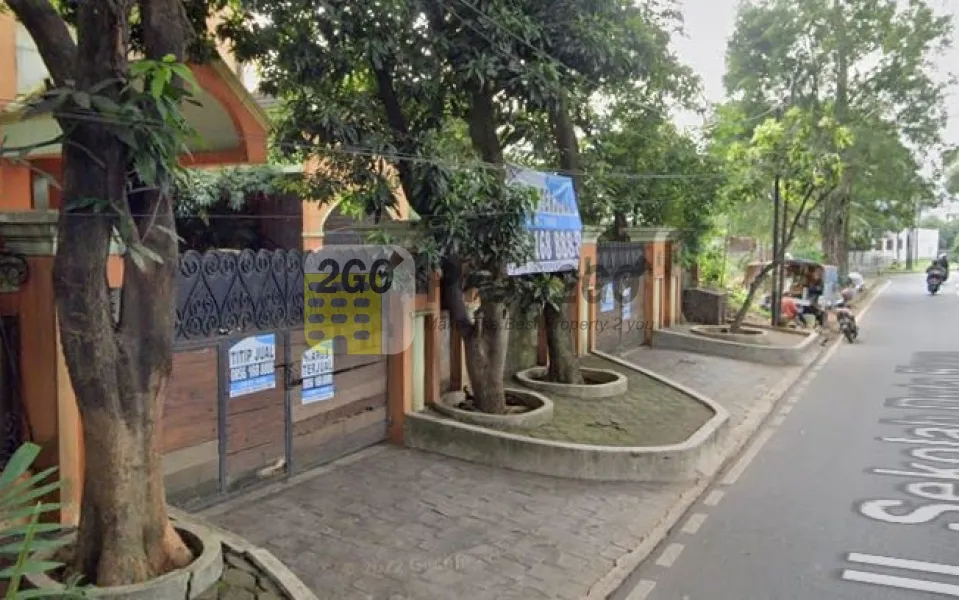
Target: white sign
[
  {"x": 253, "y": 365},
  {"x": 317, "y": 373},
  {"x": 607, "y": 302},
  {"x": 627, "y": 296}
]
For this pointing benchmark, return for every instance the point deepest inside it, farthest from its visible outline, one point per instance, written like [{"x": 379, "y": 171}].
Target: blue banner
[
  {"x": 253, "y": 365},
  {"x": 555, "y": 225}
]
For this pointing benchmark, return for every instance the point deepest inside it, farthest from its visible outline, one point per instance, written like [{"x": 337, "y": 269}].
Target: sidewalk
[{"x": 392, "y": 523}]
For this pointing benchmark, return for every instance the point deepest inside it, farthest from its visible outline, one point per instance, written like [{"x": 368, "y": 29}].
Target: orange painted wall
[
  {"x": 16, "y": 187},
  {"x": 8, "y": 58}
]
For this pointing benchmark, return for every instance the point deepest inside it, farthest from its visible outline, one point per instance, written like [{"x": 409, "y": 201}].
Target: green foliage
[
  {"x": 948, "y": 231},
  {"x": 871, "y": 62},
  {"x": 712, "y": 266},
  {"x": 21, "y": 498},
  {"x": 142, "y": 111},
  {"x": 199, "y": 190},
  {"x": 802, "y": 148}
]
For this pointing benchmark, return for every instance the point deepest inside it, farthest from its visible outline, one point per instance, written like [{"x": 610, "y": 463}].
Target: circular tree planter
[
  {"x": 599, "y": 383},
  {"x": 745, "y": 335},
  {"x": 187, "y": 583},
  {"x": 534, "y": 409}
]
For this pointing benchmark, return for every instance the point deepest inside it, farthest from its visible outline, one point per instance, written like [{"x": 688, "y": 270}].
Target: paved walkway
[{"x": 393, "y": 523}]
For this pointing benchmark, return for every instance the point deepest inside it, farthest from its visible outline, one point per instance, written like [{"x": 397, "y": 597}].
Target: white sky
[{"x": 709, "y": 23}]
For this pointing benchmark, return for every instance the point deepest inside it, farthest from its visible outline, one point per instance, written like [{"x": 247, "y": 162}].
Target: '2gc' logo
[{"x": 355, "y": 276}]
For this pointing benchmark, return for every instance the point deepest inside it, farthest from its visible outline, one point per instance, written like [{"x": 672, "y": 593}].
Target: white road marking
[
  {"x": 669, "y": 555},
  {"x": 778, "y": 421},
  {"x": 694, "y": 523},
  {"x": 642, "y": 590},
  {"x": 788, "y": 408},
  {"x": 903, "y": 563},
  {"x": 714, "y": 497},
  {"x": 903, "y": 583},
  {"x": 736, "y": 472}
]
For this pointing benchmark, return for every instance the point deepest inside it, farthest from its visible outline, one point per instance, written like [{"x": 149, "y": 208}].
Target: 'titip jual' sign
[{"x": 359, "y": 299}]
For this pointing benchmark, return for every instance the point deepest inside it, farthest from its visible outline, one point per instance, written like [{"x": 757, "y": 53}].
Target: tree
[
  {"x": 614, "y": 49},
  {"x": 372, "y": 91},
  {"x": 870, "y": 62},
  {"x": 803, "y": 150},
  {"x": 122, "y": 137}
]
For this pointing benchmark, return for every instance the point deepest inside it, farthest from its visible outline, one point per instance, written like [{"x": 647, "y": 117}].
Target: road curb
[{"x": 738, "y": 441}]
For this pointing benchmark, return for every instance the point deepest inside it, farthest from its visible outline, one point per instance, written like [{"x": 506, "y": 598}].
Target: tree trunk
[
  {"x": 119, "y": 373},
  {"x": 833, "y": 229},
  {"x": 563, "y": 362},
  {"x": 485, "y": 335},
  {"x": 486, "y": 357},
  {"x": 737, "y": 323}
]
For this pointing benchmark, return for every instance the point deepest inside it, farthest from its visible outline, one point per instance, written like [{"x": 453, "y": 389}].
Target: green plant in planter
[{"x": 22, "y": 534}]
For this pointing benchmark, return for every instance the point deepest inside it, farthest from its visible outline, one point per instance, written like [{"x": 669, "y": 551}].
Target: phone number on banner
[{"x": 557, "y": 245}]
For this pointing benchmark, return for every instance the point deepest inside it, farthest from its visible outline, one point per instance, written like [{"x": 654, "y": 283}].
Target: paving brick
[{"x": 401, "y": 524}]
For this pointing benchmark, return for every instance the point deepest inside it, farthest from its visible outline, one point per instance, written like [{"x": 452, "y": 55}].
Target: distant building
[
  {"x": 948, "y": 211},
  {"x": 892, "y": 246}
]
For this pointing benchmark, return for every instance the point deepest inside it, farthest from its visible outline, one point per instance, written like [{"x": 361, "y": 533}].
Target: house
[{"x": 223, "y": 431}]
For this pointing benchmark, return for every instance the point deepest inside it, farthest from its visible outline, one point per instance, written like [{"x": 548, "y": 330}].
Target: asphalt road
[{"x": 845, "y": 493}]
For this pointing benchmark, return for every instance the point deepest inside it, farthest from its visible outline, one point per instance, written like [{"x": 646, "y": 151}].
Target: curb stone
[{"x": 740, "y": 436}]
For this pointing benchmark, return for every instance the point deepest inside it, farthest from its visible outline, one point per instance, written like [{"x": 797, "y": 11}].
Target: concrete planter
[
  {"x": 746, "y": 335},
  {"x": 183, "y": 584},
  {"x": 540, "y": 411},
  {"x": 604, "y": 383},
  {"x": 770, "y": 354},
  {"x": 688, "y": 461}
]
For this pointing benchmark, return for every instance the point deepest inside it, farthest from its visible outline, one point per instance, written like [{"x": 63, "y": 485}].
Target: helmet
[{"x": 847, "y": 295}]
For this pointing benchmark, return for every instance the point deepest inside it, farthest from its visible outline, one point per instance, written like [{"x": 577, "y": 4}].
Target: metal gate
[
  {"x": 238, "y": 413},
  {"x": 621, "y": 296}
]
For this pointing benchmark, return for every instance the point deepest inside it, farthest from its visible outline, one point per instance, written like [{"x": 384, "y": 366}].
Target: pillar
[
  {"x": 657, "y": 287},
  {"x": 45, "y": 388},
  {"x": 586, "y": 293}
]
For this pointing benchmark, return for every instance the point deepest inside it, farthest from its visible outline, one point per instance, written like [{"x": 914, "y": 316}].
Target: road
[{"x": 850, "y": 491}]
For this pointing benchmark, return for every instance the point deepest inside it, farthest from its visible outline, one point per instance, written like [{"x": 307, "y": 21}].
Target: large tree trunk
[
  {"x": 563, "y": 362},
  {"x": 119, "y": 373},
  {"x": 486, "y": 357},
  {"x": 485, "y": 335}
]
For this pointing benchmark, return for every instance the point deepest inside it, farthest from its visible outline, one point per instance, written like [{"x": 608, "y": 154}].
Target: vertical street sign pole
[
  {"x": 784, "y": 243},
  {"x": 775, "y": 304}
]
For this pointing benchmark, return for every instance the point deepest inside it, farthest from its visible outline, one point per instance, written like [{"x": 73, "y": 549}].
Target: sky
[{"x": 709, "y": 23}]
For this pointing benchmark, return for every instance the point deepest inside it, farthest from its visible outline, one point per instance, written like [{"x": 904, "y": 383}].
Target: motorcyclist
[
  {"x": 943, "y": 261},
  {"x": 936, "y": 265}
]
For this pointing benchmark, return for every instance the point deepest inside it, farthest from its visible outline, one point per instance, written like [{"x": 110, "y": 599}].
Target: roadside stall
[{"x": 799, "y": 273}]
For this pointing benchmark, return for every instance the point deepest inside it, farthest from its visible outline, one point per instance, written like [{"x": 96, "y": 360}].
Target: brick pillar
[
  {"x": 45, "y": 388},
  {"x": 587, "y": 309},
  {"x": 656, "y": 281}
]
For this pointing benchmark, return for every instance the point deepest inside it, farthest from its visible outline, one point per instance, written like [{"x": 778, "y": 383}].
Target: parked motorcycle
[
  {"x": 847, "y": 326},
  {"x": 934, "y": 279}
]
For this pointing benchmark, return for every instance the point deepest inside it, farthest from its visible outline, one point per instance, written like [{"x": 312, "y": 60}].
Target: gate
[
  {"x": 621, "y": 295},
  {"x": 249, "y": 402}
]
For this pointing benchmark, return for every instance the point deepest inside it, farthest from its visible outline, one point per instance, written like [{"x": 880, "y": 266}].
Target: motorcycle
[
  {"x": 934, "y": 280},
  {"x": 847, "y": 326}
]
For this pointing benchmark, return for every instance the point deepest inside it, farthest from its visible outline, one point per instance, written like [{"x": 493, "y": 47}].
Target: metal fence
[{"x": 224, "y": 292}]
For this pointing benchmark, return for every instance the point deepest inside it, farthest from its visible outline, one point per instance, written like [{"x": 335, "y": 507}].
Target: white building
[{"x": 893, "y": 245}]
